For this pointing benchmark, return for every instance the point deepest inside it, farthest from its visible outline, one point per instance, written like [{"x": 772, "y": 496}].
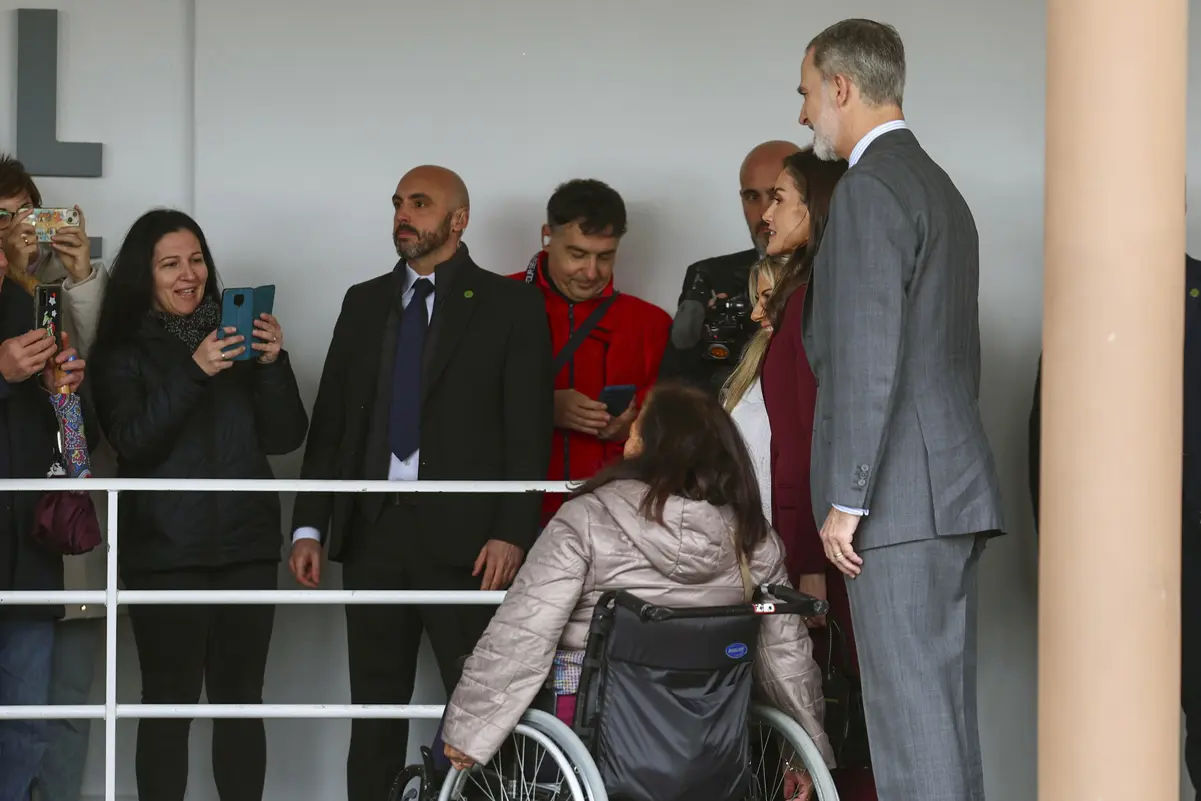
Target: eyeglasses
[{"x": 7, "y": 217}]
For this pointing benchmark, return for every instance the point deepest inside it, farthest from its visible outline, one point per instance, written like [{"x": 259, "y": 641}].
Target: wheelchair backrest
[{"x": 664, "y": 699}]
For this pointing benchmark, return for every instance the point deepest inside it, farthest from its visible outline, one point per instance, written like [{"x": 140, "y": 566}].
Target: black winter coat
[
  {"x": 32, "y": 430},
  {"x": 166, "y": 418}
]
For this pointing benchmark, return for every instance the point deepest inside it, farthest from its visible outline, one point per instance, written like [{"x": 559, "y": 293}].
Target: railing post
[{"x": 110, "y": 652}]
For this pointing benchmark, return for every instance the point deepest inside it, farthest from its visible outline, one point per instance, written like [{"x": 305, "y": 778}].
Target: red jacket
[{"x": 624, "y": 348}]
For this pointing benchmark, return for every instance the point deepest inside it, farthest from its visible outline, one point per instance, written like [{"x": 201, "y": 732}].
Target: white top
[
  {"x": 750, "y": 415},
  {"x": 397, "y": 470}
]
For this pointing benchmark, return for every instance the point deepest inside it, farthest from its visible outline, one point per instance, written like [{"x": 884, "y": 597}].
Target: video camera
[{"x": 722, "y": 324}]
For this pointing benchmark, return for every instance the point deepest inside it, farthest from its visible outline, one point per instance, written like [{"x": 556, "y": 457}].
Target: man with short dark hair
[
  {"x": 689, "y": 356},
  {"x": 437, "y": 370},
  {"x": 904, "y": 482},
  {"x": 603, "y": 340}
]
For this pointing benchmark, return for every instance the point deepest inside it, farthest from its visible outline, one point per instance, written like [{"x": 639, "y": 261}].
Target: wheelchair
[{"x": 651, "y": 674}]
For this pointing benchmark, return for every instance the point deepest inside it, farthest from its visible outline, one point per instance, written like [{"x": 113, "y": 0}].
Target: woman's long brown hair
[
  {"x": 815, "y": 180},
  {"x": 691, "y": 449}
]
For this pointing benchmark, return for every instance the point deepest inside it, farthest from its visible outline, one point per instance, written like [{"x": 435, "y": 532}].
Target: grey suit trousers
[{"x": 914, "y": 611}]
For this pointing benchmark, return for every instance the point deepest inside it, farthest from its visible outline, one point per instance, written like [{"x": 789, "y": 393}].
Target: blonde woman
[{"x": 742, "y": 394}]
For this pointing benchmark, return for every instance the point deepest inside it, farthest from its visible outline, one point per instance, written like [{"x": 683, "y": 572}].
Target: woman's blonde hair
[{"x": 751, "y": 362}]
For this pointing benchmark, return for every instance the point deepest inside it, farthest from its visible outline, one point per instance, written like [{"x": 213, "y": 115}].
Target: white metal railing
[{"x": 112, "y": 597}]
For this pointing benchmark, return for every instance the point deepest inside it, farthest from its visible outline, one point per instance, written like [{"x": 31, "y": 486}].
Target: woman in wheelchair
[{"x": 678, "y": 523}]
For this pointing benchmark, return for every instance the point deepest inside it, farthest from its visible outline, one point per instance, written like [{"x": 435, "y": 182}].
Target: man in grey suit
[{"x": 904, "y": 485}]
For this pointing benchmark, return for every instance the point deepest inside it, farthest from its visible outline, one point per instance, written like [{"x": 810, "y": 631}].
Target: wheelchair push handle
[
  {"x": 797, "y": 602},
  {"x": 770, "y": 599}
]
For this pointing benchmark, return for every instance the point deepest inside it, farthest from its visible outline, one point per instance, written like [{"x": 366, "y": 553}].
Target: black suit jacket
[
  {"x": 30, "y": 427},
  {"x": 487, "y": 412}
]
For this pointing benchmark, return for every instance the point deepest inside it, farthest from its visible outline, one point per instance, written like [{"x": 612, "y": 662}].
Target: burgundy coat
[{"x": 790, "y": 394}]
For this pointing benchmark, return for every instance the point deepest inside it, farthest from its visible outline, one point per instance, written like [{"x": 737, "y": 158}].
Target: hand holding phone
[
  {"x": 219, "y": 351},
  {"x": 270, "y": 338},
  {"x": 48, "y": 311},
  {"x": 47, "y": 222},
  {"x": 618, "y": 398},
  {"x": 619, "y": 404},
  {"x": 240, "y": 308},
  {"x": 70, "y": 241},
  {"x": 575, "y": 411},
  {"x": 64, "y": 373},
  {"x": 24, "y": 356},
  {"x": 23, "y": 251}
]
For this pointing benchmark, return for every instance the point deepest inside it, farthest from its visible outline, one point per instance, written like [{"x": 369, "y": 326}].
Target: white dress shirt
[
  {"x": 856, "y": 154},
  {"x": 873, "y": 135},
  {"x": 397, "y": 470},
  {"x": 750, "y": 416}
]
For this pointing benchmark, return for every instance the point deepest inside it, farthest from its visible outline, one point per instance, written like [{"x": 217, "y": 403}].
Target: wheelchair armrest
[{"x": 798, "y": 602}]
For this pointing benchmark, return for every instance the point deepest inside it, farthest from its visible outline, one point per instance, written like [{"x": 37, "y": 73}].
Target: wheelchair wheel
[
  {"x": 417, "y": 782},
  {"x": 409, "y": 785},
  {"x": 534, "y": 764},
  {"x": 774, "y": 737}
]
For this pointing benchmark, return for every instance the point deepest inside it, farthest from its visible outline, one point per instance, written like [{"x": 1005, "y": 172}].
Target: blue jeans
[
  {"x": 77, "y": 644},
  {"x": 26, "y": 654}
]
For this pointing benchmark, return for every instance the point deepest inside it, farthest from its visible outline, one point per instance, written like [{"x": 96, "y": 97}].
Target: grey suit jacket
[{"x": 892, "y": 331}]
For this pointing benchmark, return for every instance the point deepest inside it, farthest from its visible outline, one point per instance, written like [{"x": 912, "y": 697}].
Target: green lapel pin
[
  {"x": 1194, "y": 292},
  {"x": 470, "y": 294}
]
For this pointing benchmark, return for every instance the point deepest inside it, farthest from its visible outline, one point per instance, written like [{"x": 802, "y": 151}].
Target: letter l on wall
[{"x": 38, "y": 147}]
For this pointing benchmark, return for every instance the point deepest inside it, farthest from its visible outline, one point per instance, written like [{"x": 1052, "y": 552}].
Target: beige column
[{"x": 1109, "y": 575}]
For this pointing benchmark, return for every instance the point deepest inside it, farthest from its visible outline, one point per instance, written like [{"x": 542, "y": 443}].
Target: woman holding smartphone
[{"x": 174, "y": 403}]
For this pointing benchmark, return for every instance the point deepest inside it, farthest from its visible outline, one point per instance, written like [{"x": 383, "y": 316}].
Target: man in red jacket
[{"x": 601, "y": 338}]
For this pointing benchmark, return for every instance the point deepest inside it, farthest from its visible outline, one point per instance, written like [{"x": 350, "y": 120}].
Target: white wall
[{"x": 285, "y": 124}]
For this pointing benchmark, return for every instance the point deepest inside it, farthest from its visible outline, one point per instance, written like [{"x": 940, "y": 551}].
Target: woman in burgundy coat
[{"x": 796, "y": 220}]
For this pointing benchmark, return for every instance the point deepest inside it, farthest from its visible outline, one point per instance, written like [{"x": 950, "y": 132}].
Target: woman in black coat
[{"x": 174, "y": 404}]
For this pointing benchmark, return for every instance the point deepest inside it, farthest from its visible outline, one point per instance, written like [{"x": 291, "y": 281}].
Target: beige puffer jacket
[
  {"x": 600, "y": 542},
  {"x": 81, "y": 316}
]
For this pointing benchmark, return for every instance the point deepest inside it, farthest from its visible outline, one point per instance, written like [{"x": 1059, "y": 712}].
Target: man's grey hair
[{"x": 869, "y": 53}]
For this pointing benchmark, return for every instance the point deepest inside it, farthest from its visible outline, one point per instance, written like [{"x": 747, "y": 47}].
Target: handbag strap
[
  {"x": 744, "y": 570},
  {"x": 581, "y": 333},
  {"x": 836, "y": 640}
]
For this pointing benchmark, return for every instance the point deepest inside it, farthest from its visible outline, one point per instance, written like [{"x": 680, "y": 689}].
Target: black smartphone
[
  {"x": 48, "y": 312},
  {"x": 617, "y": 398}
]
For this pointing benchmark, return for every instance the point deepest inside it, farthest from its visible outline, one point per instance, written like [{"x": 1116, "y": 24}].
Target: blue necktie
[{"x": 404, "y": 419}]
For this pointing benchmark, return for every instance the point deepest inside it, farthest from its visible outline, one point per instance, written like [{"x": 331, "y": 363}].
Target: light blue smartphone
[{"x": 240, "y": 307}]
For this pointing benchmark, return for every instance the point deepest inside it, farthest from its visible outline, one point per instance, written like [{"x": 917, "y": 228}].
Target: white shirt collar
[
  {"x": 411, "y": 277},
  {"x": 873, "y": 135}
]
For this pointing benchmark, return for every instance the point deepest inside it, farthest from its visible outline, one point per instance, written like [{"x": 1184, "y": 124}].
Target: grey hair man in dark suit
[{"x": 904, "y": 483}]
